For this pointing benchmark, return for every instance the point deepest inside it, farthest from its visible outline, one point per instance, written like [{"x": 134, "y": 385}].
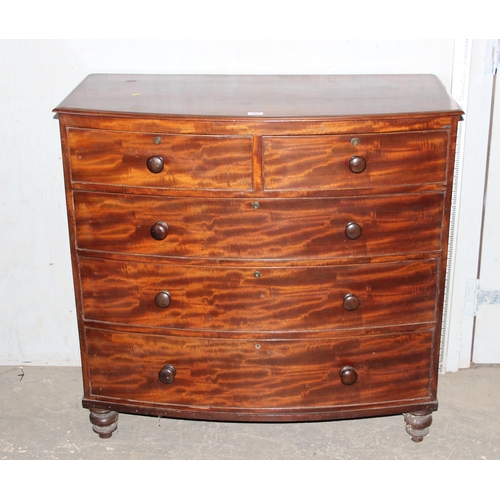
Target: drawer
[
  {"x": 272, "y": 374},
  {"x": 278, "y": 229},
  {"x": 178, "y": 161},
  {"x": 263, "y": 299},
  {"x": 325, "y": 161}
]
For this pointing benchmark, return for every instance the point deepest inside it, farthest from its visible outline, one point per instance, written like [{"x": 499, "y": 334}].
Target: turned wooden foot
[
  {"x": 417, "y": 425},
  {"x": 104, "y": 422}
]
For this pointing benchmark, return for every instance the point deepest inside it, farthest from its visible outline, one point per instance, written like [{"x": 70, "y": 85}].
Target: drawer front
[
  {"x": 325, "y": 162},
  {"x": 232, "y": 374},
  {"x": 178, "y": 161},
  {"x": 264, "y": 299},
  {"x": 277, "y": 229}
]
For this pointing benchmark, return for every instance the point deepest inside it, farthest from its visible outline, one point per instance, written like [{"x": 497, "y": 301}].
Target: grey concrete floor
[{"x": 41, "y": 418}]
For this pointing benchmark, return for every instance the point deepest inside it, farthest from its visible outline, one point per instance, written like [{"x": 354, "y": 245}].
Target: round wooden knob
[
  {"x": 357, "y": 164},
  {"x": 159, "y": 230},
  {"x": 162, "y": 299},
  {"x": 351, "y": 302},
  {"x": 167, "y": 374},
  {"x": 155, "y": 164},
  {"x": 348, "y": 375},
  {"x": 352, "y": 230}
]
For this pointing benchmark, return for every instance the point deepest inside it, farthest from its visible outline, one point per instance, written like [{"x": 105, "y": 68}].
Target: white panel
[
  {"x": 460, "y": 91},
  {"x": 470, "y": 210},
  {"x": 486, "y": 347},
  {"x": 487, "y": 335},
  {"x": 490, "y": 253}
]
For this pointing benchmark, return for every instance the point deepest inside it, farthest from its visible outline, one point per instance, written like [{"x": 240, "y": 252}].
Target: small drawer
[
  {"x": 261, "y": 299},
  {"x": 325, "y": 162},
  {"x": 268, "y": 229},
  {"x": 160, "y": 161},
  {"x": 228, "y": 374}
]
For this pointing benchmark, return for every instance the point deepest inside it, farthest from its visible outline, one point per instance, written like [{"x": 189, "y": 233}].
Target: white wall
[{"x": 37, "y": 311}]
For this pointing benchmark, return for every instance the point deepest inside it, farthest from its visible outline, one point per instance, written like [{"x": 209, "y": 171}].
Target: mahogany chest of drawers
[{"x": 259, "y": 248}]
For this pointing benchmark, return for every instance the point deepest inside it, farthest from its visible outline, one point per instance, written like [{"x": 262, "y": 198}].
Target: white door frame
[{"x": 473, "y": 78}]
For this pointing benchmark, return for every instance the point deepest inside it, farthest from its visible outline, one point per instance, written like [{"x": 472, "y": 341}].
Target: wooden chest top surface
[{"x": 260, "y": 96}]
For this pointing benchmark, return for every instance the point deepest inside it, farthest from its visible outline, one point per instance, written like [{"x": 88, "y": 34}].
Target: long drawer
[
  {"x": 273, "y": 374},
  {"x": 263, "y": 299},
  {"x": 267, "y": 229},
  {"x": 160, "y": 161},
  {"x": 325, "y": 162}
]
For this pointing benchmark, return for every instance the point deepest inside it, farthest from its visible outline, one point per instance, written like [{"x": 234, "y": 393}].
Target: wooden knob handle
[
  {"x": 159, "y": 230},
  {"x": 351, "y": 302},
  {"x": 357, "y": 164},
  {"x": 167, "y": 374},
  {"x": 352, "y": 230},
  {"x": 162, "y": 299},
  {"x": 155, "y": 164},
  {"x": 348, "y": 375}
]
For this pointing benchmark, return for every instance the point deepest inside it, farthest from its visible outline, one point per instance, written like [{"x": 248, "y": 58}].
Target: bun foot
[
  {"x": 417, "y": 425},
  {"x": 104, "y": 422}
]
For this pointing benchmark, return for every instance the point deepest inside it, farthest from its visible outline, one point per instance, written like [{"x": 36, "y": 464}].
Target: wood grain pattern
[
  {"x": 233, "y": 299},
  {"x": 246, "y": 374},
  {"x": 120, "y": 158},
  {"x": 278, "y": 229},
  {"x": 231, "y": 126},
  {"x": 322, "y": 162}
]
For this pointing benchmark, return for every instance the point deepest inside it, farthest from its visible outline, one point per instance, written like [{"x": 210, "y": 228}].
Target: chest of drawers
[{"x": 259, "y": 248}]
